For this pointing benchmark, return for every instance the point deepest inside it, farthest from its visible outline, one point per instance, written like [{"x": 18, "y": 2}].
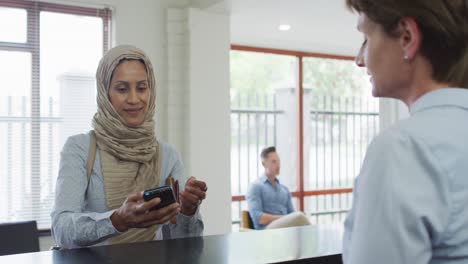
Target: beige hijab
[{"x": 130, "y": 156}]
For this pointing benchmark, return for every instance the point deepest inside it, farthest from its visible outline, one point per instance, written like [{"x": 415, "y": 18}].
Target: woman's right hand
[{"x": 135, "y": 213}]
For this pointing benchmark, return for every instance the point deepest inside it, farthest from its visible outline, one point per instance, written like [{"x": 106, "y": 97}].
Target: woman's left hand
[{"x": 193, "y": 194}]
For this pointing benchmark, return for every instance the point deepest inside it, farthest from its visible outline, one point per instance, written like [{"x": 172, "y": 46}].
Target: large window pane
[
  {"x": 263, "y": 113},
  {"x": 340, "y": 119},
  {"x": 35, "y": 120},
  {"x": 15, "y": 135},
  {"x": 71, "y": 47},
  {"x": 13, "y": 23},
  {"x": 15, "y": 74}
]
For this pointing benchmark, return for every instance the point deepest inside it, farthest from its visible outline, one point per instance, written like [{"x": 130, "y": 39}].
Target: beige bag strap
[{"x": 91, "y": 156}]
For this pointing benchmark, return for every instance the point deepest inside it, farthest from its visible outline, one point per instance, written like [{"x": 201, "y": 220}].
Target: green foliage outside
[{"x": 256, "y": 74}]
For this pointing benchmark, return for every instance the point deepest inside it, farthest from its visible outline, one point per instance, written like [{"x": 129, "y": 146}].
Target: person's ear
[{"x": 410, "y": 37}]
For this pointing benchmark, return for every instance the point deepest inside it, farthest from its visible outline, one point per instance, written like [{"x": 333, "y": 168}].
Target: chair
[
  {"x": 246, "y": 223},
  {"x": 18, "y": 237}
]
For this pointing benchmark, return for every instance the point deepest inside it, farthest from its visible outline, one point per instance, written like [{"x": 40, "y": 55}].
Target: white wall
[
  {"x": 198, "y": 98},
  {"x": 209, "y": 111},
  {"x": 178, "y": 85}
]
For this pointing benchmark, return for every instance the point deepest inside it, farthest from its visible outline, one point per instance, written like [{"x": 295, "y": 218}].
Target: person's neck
[
  {"x": 271, "y": 178},
  {"x": 421, "y": 83},
  {"x": 422, "y": 88}
]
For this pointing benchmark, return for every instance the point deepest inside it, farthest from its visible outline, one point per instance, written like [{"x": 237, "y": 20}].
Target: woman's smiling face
[{"x": 129, "y": 92}]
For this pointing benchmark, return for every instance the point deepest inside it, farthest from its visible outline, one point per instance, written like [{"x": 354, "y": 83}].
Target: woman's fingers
[
  {"x": 188, "y": 198},
  {"x": 161, "y": 215},
  {"x": 201, "y": 185},
  {"x": 192, "y": 182},
  {"x": 160, "y": 220},
  {"x": 195, "y": 191},
  {"x": 144, "y": 207},
  {"x": 139, "y": 214},
  {"x": 134, "y": 197}
]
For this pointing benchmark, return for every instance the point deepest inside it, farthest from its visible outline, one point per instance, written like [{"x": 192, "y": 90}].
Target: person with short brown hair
[
  {"x": 269, "y": 201},
  {"x": 410, "y": 195}
]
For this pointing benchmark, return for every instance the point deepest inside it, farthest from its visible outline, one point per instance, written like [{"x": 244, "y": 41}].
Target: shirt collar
[
  {"x": 264, "y": 179},
  {"x": 441, "y": 97}
]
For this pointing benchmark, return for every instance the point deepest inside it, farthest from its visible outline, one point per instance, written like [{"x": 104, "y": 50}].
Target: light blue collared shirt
[
  {"x": 411, "y": 197},
  {"x": 263, "y": 197},
  {"x": 80, "y": 216}
]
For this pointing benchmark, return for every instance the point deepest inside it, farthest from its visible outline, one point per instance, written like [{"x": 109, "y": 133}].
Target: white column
[
  {"x": 209, "y": 114},
  {"x": 177, "y": 88}
]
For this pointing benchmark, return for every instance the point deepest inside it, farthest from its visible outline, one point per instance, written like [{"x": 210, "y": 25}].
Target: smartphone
[{"x": 164, "y": 193}]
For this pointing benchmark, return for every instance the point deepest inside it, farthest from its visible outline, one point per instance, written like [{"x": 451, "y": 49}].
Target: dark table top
[{"x": 292, "y": 245}]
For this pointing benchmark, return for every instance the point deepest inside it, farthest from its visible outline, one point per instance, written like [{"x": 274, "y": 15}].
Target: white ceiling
[{"x": 324, "y": 26}]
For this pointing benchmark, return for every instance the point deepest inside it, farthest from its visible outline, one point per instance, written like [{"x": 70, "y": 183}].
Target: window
[
  {"x": 48, "y": 57},
  {"x": 262, "y": 114},
  {"x": 13, "y": 25},
  {"x": 339, "y": 118}
]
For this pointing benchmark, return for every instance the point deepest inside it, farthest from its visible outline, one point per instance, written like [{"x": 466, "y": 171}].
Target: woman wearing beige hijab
[{"x": 103, "y": 173}]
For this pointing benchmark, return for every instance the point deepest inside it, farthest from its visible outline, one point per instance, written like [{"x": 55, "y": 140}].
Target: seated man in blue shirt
[{"x": 269, "y": 201}]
